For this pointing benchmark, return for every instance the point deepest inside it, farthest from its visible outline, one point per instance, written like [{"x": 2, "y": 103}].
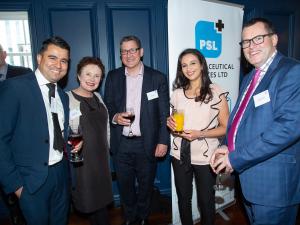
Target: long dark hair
[{"x": 182, "y": 82}]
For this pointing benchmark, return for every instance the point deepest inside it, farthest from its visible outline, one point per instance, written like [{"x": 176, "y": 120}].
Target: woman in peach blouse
[{"x": 205, "y": 120}]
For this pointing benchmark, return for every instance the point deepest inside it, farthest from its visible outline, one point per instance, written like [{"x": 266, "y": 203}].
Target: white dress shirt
[{"x": 54, "y": 155}]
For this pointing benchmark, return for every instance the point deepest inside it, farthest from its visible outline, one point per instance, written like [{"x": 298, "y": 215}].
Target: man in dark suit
[
  {"x": 11, "y": 201},
  {"x": 33, "y": 121},
  {"x": 135, "y": 146},
  {"x": 9, "y": 71},
  {"x": 263, "y": 137}
]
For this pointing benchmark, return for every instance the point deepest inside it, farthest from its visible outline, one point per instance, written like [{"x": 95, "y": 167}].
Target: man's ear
[{"x": 38, "y": 58}]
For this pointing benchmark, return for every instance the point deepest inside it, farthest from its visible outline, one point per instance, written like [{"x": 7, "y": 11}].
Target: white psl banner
[{"x": 214, "y": 28}]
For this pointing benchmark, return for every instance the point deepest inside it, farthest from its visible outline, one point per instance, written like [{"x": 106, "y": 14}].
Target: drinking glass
[
  {"x": 74, "y": 138},
  {"x": 178, "y": 115},
  {"x": 219, "y": 186},
  {"x": 131, "y": 117}
]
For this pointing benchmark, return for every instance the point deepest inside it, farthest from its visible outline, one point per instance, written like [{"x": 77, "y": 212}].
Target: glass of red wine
[
  {"x": 74, "y": 137},
  {"x": 131, "y": 117}
]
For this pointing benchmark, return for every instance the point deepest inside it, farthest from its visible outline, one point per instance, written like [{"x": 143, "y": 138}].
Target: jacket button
[
  {"x": 45, "y": 164},
  {"x": 47, "y": 141}
]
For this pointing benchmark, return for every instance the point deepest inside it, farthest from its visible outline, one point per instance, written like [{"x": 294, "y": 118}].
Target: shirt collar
[
  {"x": 3, "y": 69},
  {"x": 41, "y": 79},
  {"x": 140, "y": 73},
  {"x": 266, "y": 65}
]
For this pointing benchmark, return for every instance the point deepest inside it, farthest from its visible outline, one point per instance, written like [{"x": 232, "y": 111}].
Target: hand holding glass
[
  {"x": 219, "y": 186},
  {"x": 74, "y": 138},
  {"x": 131, "y": 117}
]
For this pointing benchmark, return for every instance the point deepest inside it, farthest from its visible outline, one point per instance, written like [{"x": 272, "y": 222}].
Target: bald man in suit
[{"x": 8, "y": 71}]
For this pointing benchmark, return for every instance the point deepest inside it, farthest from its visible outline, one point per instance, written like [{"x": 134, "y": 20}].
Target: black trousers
[
  {"x": 204, "y": 179},
  {"x": 135, "y": 177},
  {"x": 99, "y": 217}
]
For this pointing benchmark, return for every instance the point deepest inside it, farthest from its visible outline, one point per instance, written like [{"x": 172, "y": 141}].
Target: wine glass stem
[{"x": 219, "y": 179}]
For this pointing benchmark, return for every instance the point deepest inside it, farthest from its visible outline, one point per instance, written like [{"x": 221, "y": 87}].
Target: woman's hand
[
  {"x": 192, "y": 134},
  {"x": 171, "y": 123}
]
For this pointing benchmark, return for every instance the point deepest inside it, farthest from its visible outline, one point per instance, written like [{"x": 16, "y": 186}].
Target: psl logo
[{"x": 209, "y": 38}]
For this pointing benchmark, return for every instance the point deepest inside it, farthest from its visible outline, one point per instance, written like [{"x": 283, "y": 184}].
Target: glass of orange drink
[{"x": 178, "y": 116}]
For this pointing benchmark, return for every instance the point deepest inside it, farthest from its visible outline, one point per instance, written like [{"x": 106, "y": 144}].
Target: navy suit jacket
[
  {"x": 154, "y": 112},
  {"x": 24, "y": 136},
  {"x": 13, "y": 71},
  {"x": 267, "y": 147}
]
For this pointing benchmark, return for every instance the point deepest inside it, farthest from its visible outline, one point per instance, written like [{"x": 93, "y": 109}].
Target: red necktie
[{"x": 241, "y": 110}]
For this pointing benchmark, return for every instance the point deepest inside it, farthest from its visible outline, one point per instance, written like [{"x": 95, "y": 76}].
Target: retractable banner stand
[{"x": 214, "y": 28}]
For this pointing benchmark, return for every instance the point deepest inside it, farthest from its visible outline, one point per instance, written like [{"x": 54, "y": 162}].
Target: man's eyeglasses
[
  {"x": 256, "y": 40},
  {"x": 131, "y": 51}
]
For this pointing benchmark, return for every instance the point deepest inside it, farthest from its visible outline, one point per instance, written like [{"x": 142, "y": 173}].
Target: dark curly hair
[{"x": 182, "y": 82}]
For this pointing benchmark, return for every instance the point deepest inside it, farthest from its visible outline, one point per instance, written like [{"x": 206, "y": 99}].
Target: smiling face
[
  {"x": 191, "y": 67},
  {"x": 90, "y": 77},
  {"x": 53, "y": 63},
  {"x": 257, "y": 55},
  {"x": 131, "y": 60}
]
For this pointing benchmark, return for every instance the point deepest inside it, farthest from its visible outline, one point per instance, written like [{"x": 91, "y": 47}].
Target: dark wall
[{"x": 285, "y": 16}]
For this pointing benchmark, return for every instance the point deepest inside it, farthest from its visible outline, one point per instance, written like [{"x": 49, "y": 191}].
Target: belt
[
  {"x": 56, "y": 164},
  {"x": 131, "y": 137}
]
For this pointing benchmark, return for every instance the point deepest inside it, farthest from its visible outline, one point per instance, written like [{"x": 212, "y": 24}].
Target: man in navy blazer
[
  {"x": 266, "y": 144},
  {"x": 30, "y": 165},
  {"x": 136, "y": 146}
]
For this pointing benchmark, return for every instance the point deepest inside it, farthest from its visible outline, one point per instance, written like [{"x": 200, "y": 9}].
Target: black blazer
[
  {"x": 13, "y": 71},
  {"x": 154, "y": 112}
]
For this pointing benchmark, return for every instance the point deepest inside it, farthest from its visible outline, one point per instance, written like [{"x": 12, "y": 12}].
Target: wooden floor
[{"x": 234, "y": 212}]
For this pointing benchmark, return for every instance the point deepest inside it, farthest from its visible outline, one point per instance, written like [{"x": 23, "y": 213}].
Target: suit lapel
[
  {"x": 37, "y": 97},
  {"x": 245, "y": 84},
  {"x": 8, "y": 73},
  {"x": 263, "y": 85},
  {"x": 122, "y": 90},
  {"x": 65, "y": 104},
  {"x": 145, "y": 89}
]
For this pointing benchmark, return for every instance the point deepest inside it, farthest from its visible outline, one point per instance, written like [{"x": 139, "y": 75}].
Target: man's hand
[
  {"x": 77, "y": 147},
  {"x": 161, "y": 150},
  {"x": 121, "y": 118},
  {"x": 219, "y": 160},
  {"x": 19, "y": 192}
]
